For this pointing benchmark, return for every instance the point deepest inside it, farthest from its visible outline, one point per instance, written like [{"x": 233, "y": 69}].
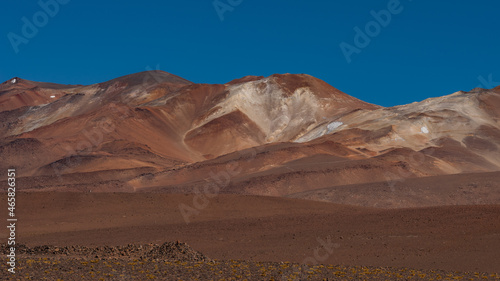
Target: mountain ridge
[{"x": 302, "y": 134}]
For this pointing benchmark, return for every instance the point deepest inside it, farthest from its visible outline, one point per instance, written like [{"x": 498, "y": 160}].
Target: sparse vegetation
[
  {"x": 177, "y": 261},
  {"x": 63, "y": 268}
]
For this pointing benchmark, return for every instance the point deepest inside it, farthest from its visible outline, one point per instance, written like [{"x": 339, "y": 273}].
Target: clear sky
[{"x": 425, "y": 49}]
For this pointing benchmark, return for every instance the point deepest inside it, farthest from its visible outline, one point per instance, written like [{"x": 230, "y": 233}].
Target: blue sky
[{"x": 425, "y": 49}]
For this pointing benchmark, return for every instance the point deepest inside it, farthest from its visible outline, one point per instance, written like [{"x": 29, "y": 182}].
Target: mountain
[{"x": 282, "y": 135}]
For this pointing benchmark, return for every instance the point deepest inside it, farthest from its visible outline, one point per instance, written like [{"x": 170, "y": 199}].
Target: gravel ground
[
  {"x": 125, "y": 269},
  {"x": 177, "y": 261}
]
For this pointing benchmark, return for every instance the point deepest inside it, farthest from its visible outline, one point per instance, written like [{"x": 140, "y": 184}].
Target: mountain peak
[
  {"x": 149, "y": 77},
  {"x": 156, "y": 122},
  {"x": 248, "y": 78},
  {"x": 13, "y": 80}
]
